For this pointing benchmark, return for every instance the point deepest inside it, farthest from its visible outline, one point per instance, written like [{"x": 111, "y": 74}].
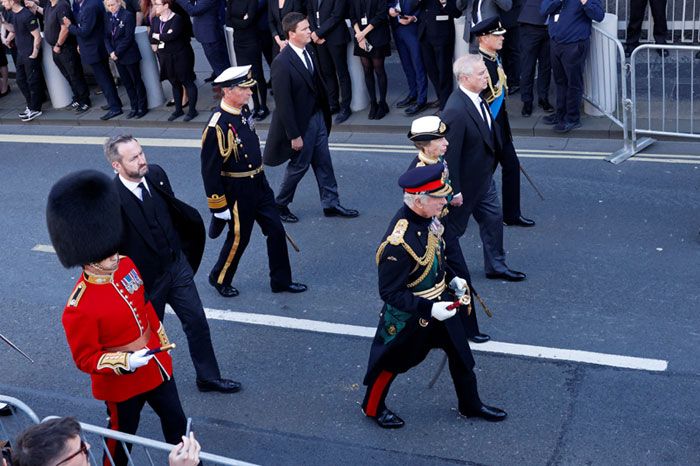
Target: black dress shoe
[
  {"x": 131, "y": 114},
  {"x": 513, "y": 89},
  {"x": 415, "y": 109},
  {"x": 545, "y": 105},
  {"x": 261, "y": 114},
  {"x": 488, "y": 413},
  {"x": 340, "y": 211},
  {"x": 519, "y": 222},
  {"x": 111, "y": 114},
  {"x": 191, "y": 116},
  {"x": 291, "y": 288},
  {"x": 479, "y": 338},
  {"x": 373, "y": 108},
  {"x": 105, "y": 107},
  {"x": 388, "y": 420},
  {"x": 552, "y": 119},
  {"x": 286, "y": 215},
  {"x": 527, "y": 109},
  {"x": 227, "y": 291},
  {"x": 342, "y": 116},
  {"x": 409, "y": 100},
  {"x": 382, "y": 110},
  {"x": 141, "y": 114},
  {"x": 508, "y": 275},
  {"x": 175, "y": 115},
  {"x": 218, "y": 385}
]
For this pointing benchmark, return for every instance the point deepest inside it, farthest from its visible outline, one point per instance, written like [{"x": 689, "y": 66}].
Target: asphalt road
[{"x": 612, "y": 268}]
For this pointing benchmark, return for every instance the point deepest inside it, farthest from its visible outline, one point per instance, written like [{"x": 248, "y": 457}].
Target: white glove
[
  {"x": 139, "y": 359},
  {"x": 225, "y": 215},
  {"x": 440, "y": 311},
  {"x": 459, "y": 286}
]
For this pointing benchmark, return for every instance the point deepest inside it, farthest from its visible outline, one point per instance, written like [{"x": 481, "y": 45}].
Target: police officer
[
  {"x": 236, "y": 188},
  {"x": 418, "y": 290}
]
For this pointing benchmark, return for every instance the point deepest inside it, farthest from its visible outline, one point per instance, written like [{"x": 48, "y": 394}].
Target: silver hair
[
  {"x": 112, "y": 146},
  {"x": 410, "y": 199},
  {"x": 464, "y": 65}
]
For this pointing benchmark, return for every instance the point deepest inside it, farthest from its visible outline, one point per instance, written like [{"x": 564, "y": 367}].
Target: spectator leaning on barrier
[
  {"x": 534, "y": 50},
  {"x": 569, "y": 23}
]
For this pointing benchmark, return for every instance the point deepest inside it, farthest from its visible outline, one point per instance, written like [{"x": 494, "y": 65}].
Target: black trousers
[
  {"x": 568, "y": 62},
  {"x": 510, "y": 180},
  {"x": 103, "y": 76},
  {"x": 176, "y": 287},
  {"x": 510, "y": 54},
  {"x": 333, "y": 61},
  {"x": 634, "y": 25},
  {"x": 68, "y": 63},
  {"x": 135, "y": 89},
  {"x": 217, "y": 55},
  {"x": 30, "y": 81},
  {"x": 437, "y": 61},
  {"x": 124, "y": 416},
  {"x": 412, "y": 353},
  {"x": 251, "y": 54},
  {"x": 253, "y": 201},
  {"x": 534, "y": 51}
]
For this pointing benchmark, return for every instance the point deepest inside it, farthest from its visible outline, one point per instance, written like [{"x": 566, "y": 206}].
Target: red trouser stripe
[
  {"x": 375, "y": 395},
  {"x": 112, "y": 444}
]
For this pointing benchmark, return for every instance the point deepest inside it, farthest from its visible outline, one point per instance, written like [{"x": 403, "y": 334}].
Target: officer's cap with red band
[{"x": 430, "y": 180}]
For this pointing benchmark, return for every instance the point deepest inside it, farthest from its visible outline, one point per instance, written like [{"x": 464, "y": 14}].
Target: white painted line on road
[
  {"x": 540, "y": 352},
  {"x": 44, "y": 248}
]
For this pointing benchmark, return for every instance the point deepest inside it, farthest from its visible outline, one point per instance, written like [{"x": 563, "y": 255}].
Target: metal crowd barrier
[
  {"x": 22, "y": 418},
  {"x": 682, "y": 19}
]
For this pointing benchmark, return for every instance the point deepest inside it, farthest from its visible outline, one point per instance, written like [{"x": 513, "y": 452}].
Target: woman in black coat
[
  {"x": 372, "y": 44},
  {"x": 170, "y": 39},
  {"x": 241, "y": 16},
  {"x": 278, "y": 9},
  {"x": 120, "y": 25}
]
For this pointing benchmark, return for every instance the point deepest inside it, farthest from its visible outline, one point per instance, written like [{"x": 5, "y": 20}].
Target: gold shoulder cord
[
  {"x": 228, "y": 146},
  {"x": 396, "y": 239}
]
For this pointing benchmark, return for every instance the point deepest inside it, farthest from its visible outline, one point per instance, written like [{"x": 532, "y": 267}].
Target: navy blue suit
[
  {"x": 119, "y": 39},
  {"x": 89, "y": 30},
  {"x": 408, "y": 46},
  {"x": 208, "y": 28}
]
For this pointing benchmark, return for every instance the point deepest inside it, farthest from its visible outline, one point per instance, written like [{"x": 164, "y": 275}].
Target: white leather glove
[
  {"x": 139, "y": 359},
  {"x": 225, "y": 215},
  {"x": 440, "y": 312},
  {"x": 459, "y": 286}
]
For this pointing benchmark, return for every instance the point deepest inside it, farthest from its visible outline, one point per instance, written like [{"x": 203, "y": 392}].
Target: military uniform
[{"x": 234, "y": 180}]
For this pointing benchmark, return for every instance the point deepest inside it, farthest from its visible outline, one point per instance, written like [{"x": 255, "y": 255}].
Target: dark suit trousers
[
  {"x": 316, "y": 154},
  {"x": 510, "y": 180},
  {"x": 217, "y": 55},
  {"x": 176, "y": 287},
  {"x": 534, "y": 48},
  {"x": 103, "y": 76},
  {"x": 568, "y": 62},
  {"x": 135, "y": 89},
  {"x": 437, "y": 59},
  {"x": 251, "y": 54},
  {"x": 124, "y": 416},
  {"x": 406, "y": 38},
  {"x": 334, "y": 69},
  {"x": 254, "y": 202},
  {"x": 68, "y": 63},
  {"x": 510, "y": 54},
  {"x": 634, "y": 26},
  {"x": 30, "y": 81}
]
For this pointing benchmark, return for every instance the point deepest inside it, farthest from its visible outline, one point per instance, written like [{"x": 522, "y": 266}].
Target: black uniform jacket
[
  {"x": 328, "y": 20},
  {"x": 436, "y": 24},
  {"x": 137, "y": 241},
  {"x": 298, "y": 95}
]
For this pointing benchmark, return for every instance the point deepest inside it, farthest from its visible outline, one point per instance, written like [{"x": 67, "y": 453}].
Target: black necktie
[
  {"x": 307, "y": 59},
  {"x": 485, "y": 113},
  {"x": 147, "y": 201}
]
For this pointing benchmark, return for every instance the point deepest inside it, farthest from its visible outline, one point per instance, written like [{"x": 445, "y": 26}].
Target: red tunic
[{"x": 105, "y": 318}]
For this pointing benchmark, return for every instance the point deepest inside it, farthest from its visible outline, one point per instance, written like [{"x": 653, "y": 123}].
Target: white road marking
[
  {"x": 540, "y": 352},
  {"x": 44, "y": 248}
]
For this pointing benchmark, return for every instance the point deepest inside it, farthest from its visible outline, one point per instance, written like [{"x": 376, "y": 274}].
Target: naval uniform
[
  {"x": 412, "y": 277},
  {"x": 107, "y": 318},
  {"x": 495, "y": 97},
  {"x": 234, "y": 180}
]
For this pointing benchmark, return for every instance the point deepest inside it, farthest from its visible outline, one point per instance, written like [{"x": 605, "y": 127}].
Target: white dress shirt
[
  {"x": 476, "y": 100},
  {"x": 134, "y": 186}
]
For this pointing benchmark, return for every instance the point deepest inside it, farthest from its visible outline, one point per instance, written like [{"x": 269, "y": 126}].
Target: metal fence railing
[
  {"x": 682, "y": 19},
  {"x": 21, "y": 418}
]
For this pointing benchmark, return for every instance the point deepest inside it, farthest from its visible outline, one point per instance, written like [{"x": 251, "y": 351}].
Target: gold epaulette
[
  {"x": 117, "y": 361},
  {"x": 216, "y": 201},
  {"x": 395, "y": 238},
  {"x": 214, "y": 119},
  {"x": 76, "y": 294}
]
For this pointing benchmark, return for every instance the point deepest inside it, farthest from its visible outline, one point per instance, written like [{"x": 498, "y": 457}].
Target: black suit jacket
[
  {"x": 330, "y": 24},
  {"x": 376, "y": 12},
  {"x": 119, "y": 37},
  {"x": 89, "y": 30},
  {"x": 137, "y": 240},
  {"x": 275, "y": 15},
  {"x": 298, "y": 96},
  {"x": 432, "y": 25}
]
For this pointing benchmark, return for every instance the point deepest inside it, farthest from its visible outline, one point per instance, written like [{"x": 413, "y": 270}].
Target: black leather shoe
[
  {"x": 131, "y": 114},
  {"x": 488, "y": 413},
  {"x": 520, "y": 222},
  {"x": 218, "y": 385},
  {"x": 479, "y": 338},
  {"x": 191, "y": 116},
  {"x": 342, "y": 116},
  {"x": 382, "y": 111},
  {"x": 286, "y": 215},
  {"x": 340, "y": 211},
  {"x": 111, "y": 114},
  {"x": 567, "y": 126},
  {"x": 261, "y": 114},
  {"x": 552, "y": 119},
  {"x": 291, "y": 288},
  {"x": 513, "y": 90},
  {"x": 227, "y": 291},
  {"x": 373, "y": 108},
  {"x": 388, "y": 420},
  {"x": 409, "y": 100},
  {"x": 508, "y": 275},
  {"x": 415, "y": 109},
  {"x": 141, "y": 114},
  {"x": 105, "y": 107},
  {"x": 527, "y": 109},
  {"x": 175, "y": 115},
  {"x": 545, "y": 105}
]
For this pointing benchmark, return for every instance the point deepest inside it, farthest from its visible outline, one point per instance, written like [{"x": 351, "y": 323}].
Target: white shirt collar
[
  {"x": 134, "y": 186},
  {"x": 472, "y": 95},
  {"x": 299, "y": 51}
]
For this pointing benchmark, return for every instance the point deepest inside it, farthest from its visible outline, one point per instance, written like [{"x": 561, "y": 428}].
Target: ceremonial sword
[
  {"x": 539, "y": 193},
  {"x": 15, "y": 347}
]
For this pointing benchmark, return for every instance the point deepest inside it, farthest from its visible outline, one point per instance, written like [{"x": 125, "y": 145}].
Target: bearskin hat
[{"x": 84, "y": 218}]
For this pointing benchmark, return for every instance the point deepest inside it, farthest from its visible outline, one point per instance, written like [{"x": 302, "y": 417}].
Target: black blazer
[
  {"x": 275, "y": 15},
  {"x": 137, "y": 240},
  {"x": 530, "y": 14},
  {"x": 119, "y": 37},
  {"x": 244, "y": 30},
  {"x": 330, "y": 24},
  {"x": 377, "y": 15},
  {"x": 89, "y": 29},
  {"x": 433, "y": 26},
  {"x": 297, "y": 96}
]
